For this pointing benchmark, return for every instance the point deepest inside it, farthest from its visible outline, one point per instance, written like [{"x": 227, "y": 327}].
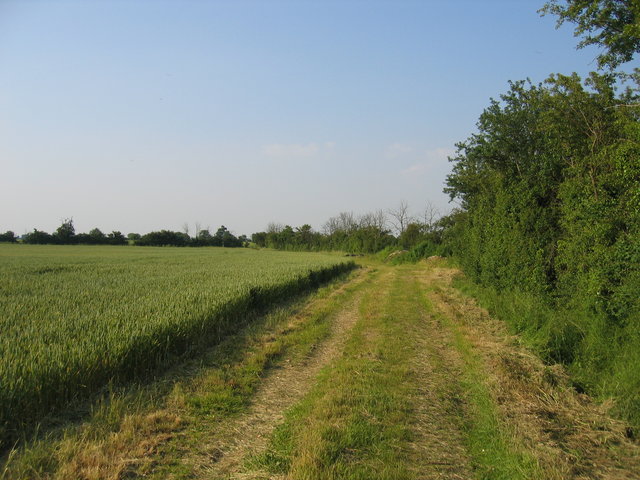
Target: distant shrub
[
  {"x": 8, "y": 237},
  {"x": 164, "y": 238},
  {"x": 38, "y": 237}
]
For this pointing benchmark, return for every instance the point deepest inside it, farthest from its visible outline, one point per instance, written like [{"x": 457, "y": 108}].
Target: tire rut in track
[
  {"x": 438, "y": 450},
  {"x": 282, "y": 388}
]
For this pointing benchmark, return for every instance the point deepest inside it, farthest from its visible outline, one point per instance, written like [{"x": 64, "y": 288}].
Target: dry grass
[
  {"x": 438, "y": 449},
  {"x": 571, "y": 436},
  {"x": 128, "y": 449}
]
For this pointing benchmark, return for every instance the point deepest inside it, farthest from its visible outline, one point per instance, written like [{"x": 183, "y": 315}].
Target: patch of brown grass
[{"x": 131, "y": 446}]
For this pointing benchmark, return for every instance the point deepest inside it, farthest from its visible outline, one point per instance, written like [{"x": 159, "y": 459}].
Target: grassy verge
[
  {"x": 494, "y": 449},
  {"x": 601, "y": 358},
  {"x": 146, "y": 429}
]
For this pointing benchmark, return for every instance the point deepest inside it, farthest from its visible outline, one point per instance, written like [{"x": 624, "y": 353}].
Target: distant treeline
[
  {"x": 368, "y": 233},
  {"x": 222, "y": 238},
  {"x": 8, "y": 237},
  {"x": 65, "y": 235}
]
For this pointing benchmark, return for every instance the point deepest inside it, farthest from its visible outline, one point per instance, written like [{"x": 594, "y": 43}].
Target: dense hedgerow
[{"x": 550, "y": 190}]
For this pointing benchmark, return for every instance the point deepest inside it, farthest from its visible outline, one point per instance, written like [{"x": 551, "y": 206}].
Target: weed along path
[{"x": 392, "y": 374}]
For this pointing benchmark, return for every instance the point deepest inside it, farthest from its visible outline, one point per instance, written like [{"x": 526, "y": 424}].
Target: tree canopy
[{"x": 613, "y": 25}]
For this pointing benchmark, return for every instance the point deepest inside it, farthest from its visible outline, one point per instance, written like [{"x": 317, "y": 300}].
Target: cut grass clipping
[{"x": 495, "y": 453}]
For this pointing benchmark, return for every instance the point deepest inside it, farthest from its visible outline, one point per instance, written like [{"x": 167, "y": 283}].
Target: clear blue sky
[{"x": 140, "y": 115}]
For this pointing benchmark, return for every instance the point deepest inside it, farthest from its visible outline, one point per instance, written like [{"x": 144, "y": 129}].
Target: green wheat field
[{"x": 74, "y": 319}]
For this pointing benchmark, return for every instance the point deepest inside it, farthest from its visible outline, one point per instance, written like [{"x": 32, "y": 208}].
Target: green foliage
[
  {"x": 358, "y": 239},
  {"x": 426, "y": 249},
  {"x": 8, "y": 237},
  {"x": 116, "y": 238},
  {"x": 411, "y": 235},
  {"x": 164, "y": 238},
  {"x": 75, "y": 319},
  {"x": 611, "y": 24},
  {"x": 38, "y": 237},
  {"x": 65, "y": 234},
  {"x": 550, "y": 189},
  {"x": 96, "y": 237},
  {"x": 362, "y": 234},
  {"x": 224, "y": 238}
]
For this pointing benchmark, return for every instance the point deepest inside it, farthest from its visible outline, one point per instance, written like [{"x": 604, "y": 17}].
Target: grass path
[
  {"x": 386, "y": 409},
  {"x": 390, "y": 375},
  {"x": 430, "y": 387},
  {"x": 222, "y": 454},
  {"x": 439, "y": 446}
]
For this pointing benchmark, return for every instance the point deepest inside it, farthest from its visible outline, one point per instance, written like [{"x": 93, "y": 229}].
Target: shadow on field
[{"x": 147, "y": 372}]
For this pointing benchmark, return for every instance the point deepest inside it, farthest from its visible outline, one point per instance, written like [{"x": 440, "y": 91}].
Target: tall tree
[
  {"x": 611, "y": 24},
  {"x": 65, "y": 232},
  {"x": 400, "y": 217}
]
